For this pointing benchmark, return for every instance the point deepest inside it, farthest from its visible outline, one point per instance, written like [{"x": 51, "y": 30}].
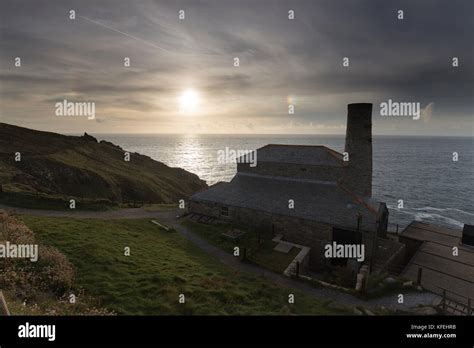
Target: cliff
[{"x": 60, "y": 166}]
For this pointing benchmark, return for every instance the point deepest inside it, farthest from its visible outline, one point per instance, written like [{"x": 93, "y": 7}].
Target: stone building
[{"x": 312, "y": 195}]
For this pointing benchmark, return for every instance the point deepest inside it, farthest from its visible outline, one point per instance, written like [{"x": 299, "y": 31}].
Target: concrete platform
[{"x": 283, "y": 247}]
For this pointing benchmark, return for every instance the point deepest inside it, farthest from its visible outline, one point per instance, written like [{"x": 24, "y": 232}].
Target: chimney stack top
[{"x": 359, "y": 106}]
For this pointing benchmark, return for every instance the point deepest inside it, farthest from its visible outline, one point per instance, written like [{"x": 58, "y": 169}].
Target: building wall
[
  {"x": 300, "y": 231},
  {"x": 296, "y": 171},
  {"x": 411, "y": 247}
]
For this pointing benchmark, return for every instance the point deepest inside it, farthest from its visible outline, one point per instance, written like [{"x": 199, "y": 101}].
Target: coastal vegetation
[{"x": 47, "y": 170}]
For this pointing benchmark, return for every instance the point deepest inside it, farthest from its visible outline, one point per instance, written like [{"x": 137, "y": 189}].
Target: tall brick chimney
[{"x": 359, "y": 148}]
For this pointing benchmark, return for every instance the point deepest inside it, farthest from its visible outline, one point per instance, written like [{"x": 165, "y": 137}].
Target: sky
[{"x": 182, "y": 76}]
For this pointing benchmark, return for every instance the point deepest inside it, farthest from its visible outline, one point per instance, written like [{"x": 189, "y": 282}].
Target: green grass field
[{"x": 162, "y": 265}]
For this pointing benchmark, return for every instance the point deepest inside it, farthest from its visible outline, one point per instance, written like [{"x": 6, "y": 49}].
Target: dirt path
[
  {"x": 170, "y": 218},
  {"x": 128, "y": 213}
]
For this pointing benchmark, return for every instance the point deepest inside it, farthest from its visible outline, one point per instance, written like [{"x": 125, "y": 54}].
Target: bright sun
[{"x": 188, "y": 101}]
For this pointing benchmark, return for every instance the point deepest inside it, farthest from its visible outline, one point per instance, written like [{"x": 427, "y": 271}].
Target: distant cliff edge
[{"x": 36, "y": 165}]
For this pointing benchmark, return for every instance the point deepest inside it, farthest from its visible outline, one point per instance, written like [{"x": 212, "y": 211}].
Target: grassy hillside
[
  {"x": 59, "y": 167},
  {"x": 161, "y": 266}
]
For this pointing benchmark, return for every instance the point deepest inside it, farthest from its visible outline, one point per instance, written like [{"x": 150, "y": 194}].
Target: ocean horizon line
[{"x": 270, "y": 134}]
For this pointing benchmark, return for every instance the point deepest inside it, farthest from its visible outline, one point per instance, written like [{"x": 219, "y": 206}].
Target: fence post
[
  {"x": 3, "y": 305},
  {"x": 469, "y": 308},
  {"x": 444, "y": 300},
  {"x": 420, "y": 273},
  {"x": 297, "y": 268}
]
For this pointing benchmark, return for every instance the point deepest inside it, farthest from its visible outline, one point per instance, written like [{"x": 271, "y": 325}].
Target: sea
[{"x": 433, "y": 176}]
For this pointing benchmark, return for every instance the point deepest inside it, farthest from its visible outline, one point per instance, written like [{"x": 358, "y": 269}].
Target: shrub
[{"x": 51, "y": 273}]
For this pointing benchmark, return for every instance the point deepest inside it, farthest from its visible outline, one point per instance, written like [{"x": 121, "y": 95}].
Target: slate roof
[
  {"x": 441, "y": 269},
  {"x": 314, "y": 200},
  {"x": 316, "y": 155}
]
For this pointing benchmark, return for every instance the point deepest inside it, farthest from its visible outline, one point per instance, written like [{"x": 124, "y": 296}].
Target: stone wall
[
  {"x": 300, "y": 231},
  {"x": 411, "y": 247}
]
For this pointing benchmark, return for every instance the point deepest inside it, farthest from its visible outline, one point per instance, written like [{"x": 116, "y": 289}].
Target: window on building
[{"x": 224, "y": 211}]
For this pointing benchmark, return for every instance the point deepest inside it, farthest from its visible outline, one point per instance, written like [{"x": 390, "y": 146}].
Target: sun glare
[{"x": 188, "y": 101}]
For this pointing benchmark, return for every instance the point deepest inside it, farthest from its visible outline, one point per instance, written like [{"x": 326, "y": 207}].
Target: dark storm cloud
[{"x": 409, "y": 60}]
